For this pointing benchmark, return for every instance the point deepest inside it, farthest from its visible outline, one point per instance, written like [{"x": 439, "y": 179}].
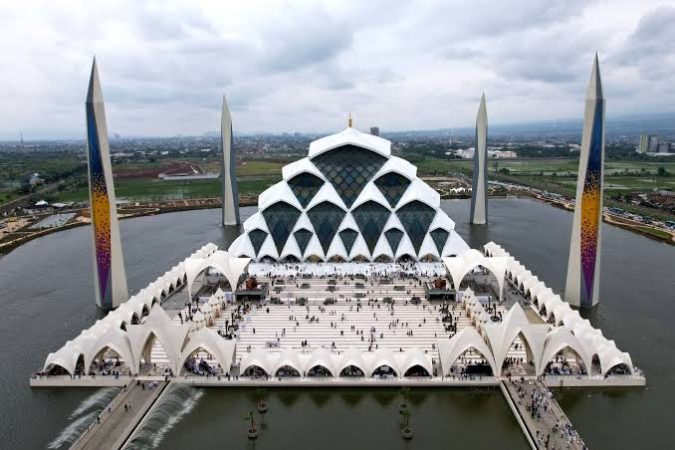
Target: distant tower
[
  {"x": 479, "y": 184},
  {"x": 583, "y": 268},
  {"x": 375, "y": 131},
  {"x": 230, "y": 194},
  {"x": 22, "y": 144},
  {"x": 109, "y": 277}
]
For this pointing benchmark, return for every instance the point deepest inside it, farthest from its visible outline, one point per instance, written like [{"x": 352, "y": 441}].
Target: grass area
[
  {"x": 155, "y": 189},
  {"x": 260, "y": 168},
  {"x": 50, "y": 165},
  {"x": 654, "y": 232},
  {"x": 6, "y": 196}
]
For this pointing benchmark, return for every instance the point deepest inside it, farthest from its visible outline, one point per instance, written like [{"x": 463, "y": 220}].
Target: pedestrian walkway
[
  {"x": 118, "y": 421},
  {"x": 545, "y": 424}
]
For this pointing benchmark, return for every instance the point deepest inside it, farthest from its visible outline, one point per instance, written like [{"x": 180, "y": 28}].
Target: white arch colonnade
[{"x": 400, "y": 363}]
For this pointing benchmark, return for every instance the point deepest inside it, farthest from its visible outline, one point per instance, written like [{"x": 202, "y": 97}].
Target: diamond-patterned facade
[
  {"x": 257, "y": 238},
  {"x": 281, "y": 218},
  {"x": 393, "y": 236},
  {"x": 371, "y": 217},
  {"x": 302, "y": 237},
  {"x": 326, "y": 218},
  {"x": 349, "y": 169},
  {"x": 416, "y": 217},
  {"x": 392, "y": 186},
  {"x": 348, "y": 237},
  {"x": 305, "y": 186},
  {"x": 439, "y": 236}
]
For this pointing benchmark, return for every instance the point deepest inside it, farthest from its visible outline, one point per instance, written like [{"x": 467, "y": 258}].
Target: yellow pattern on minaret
[{"x": 350, "y": 122}]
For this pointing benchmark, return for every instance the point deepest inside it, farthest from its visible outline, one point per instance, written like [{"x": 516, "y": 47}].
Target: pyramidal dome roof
[{"x": 349, "y": 199}]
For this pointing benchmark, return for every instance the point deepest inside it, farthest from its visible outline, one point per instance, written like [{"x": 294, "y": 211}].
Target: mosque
[
  {"x": 350, "y": 270},
  {"x": 349, "y": 200}
]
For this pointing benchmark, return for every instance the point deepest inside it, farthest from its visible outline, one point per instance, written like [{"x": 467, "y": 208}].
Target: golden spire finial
[{"x": 350, "y": 122}]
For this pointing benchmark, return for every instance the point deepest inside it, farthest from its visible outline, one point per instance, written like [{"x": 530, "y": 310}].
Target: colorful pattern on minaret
[
  {"x": 591, "y": 203},
  {"x": 100, "y": 210}
]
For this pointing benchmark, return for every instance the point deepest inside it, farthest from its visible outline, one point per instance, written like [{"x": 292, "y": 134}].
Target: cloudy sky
[{"x": 302, "y": 66}]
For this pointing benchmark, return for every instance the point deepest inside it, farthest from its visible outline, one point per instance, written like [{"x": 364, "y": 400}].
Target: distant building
[
  {"x": 644, "y": 143},
  {"x": 375, "y": 131},
  {"x": 35, "y": 180},
  {"x": 653, "y": 146},
  {"x": 664, "y": 147},
  {"x": 502, "y": 154}
]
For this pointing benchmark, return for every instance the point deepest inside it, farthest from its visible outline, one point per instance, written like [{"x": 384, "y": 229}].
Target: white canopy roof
[{"x": 459, "y": 266}]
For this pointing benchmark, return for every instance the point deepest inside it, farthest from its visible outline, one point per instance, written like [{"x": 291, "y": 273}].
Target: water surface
[{"x": 46, "y": 298}]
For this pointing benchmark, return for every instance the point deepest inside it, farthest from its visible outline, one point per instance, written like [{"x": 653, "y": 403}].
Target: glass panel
[
  {"x": 439, "y": 235},
  {"x": 392, "y": 186},
  {"x": 280, "y": 218},
  {"x": 393, "y": 236},
  {"x": 349, "y": 168},
  {"x": 371, "y": 217},
  {"x": 257, "y": 238},
  {"x": 348, "y": 238},
  {"x": 305, "y": 186},
  {"x": 326, "y": 218},
  {"x": 416, "y": 218},
  {"x": 302, "y": 237}
]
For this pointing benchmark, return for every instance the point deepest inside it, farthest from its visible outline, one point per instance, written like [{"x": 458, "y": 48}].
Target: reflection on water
[{"x": 356, "y": 418}]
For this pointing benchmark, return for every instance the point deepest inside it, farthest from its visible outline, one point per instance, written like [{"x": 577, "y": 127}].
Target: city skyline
[{"x": 436, "y": 77}]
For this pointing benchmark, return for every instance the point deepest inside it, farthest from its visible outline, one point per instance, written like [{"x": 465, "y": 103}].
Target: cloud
[
  {"x": 303, "y": 65},
  {"x": 651, "y": 47}
]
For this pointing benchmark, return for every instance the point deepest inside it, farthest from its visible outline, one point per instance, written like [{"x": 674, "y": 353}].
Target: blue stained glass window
[
  {"x": 392, "y": 186},
  {"x": 257, "y": 238},
  {"x": 302, "y": 237},
  {"x": 393, "y": 236},
  {"x": 371, "y": 217},
  {"x": 416, "y": 217},
  {"x": 348, "y": 237},
  {"x": 326, "y": 218},
  {"x": 349, "y": 169},
  {"x": 280, "y": 218},
  {"x": 439, "y": 236},
  {"x": 305, "y": 186}
]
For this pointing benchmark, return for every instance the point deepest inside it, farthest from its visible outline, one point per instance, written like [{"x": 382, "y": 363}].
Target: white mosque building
[{"x": 349, "y": 200}]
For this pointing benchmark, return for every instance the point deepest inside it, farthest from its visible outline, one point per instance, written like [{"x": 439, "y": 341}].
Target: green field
[
  {"x": 657, "y": 233},
  {"x": 155, "y": 189},
  {"x": 534, "y": 166}
]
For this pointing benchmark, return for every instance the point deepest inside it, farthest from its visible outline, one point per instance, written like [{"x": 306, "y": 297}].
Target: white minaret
[
  {"x": 583, "y": 268},
  {"x": 229, "y": 172},
  {"x": 479, "y": 182},
  {"x": 109, "y": 276}
]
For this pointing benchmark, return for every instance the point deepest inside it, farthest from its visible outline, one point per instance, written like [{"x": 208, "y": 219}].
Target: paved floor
[{"x": 117, "y": 422}]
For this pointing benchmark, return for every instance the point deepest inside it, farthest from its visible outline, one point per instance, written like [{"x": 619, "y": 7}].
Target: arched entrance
[
  {"x": 319, "y": 371},
  {"x": 287, "y": 371},
  {"x": 519, "y": 360},
  {"x": 352, "y": 371},
  {"x": 201, "y": 362},
  {"x": 385, "y": 371},
  {"x": 470, "y": 363},
  {"x": 417, "y": 371}
]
